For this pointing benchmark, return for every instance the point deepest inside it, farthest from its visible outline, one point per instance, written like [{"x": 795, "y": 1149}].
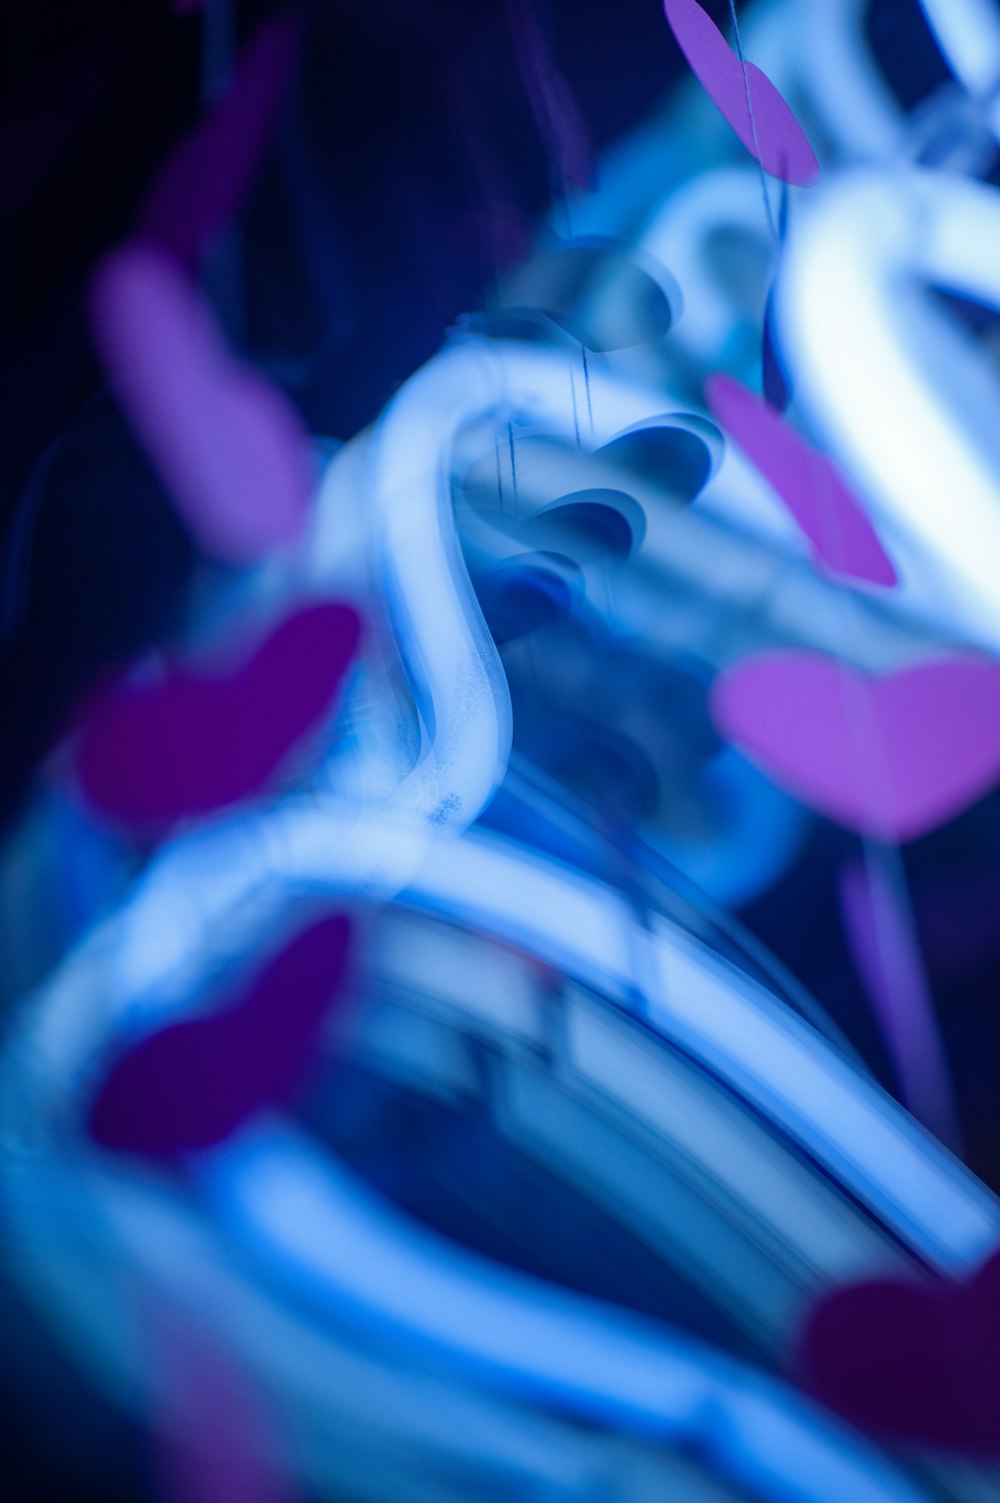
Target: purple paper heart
[
  {"x": 208, "y": 173},
  {"x": 148, "y": 755},
  {"x": 227, "y": 445},
  {"x": 891, "y": 757},
  {"x": 764, "y": 122},
  {"x": 911, "y": 1362},
  {"x": 193, "y": 1083},
  {"x": 810, "y": 485}
]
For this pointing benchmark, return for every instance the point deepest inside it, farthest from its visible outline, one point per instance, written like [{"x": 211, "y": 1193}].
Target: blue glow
[
  {"x": 577, "y": 1156},
  {"x": 849, "y": 315}
]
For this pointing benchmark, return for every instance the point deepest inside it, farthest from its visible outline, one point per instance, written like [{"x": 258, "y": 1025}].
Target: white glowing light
[
  {"x": 835, "y": 68},
  {"x": 894, "y": 392},
  {"x": 968, "y": 33},
  {"x": 366, "y": 1264}
]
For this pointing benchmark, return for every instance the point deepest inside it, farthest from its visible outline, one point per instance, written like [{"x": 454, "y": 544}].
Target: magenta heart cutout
[
  {"x": 764, "y": 123},
  {"x": 193, "y": 1083},
  {"x": 148, "y": 755},
  {"x": 208, "y": 173},
  {"x": 227, "y": 445},
  {"x": 910, "y": 1362},
  {"x": 891, "y": 757},
  {"x": 810, "y": 485}
]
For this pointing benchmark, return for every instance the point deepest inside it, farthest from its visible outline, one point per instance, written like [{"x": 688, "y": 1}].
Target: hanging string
[{"x": 753, "y": 125}]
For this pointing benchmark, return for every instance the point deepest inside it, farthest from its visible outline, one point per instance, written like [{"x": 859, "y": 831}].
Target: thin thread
[
  {"x": 576, "y": 420},
  {"x": 753, "y": 125},
  {"x": 925, "y": 1083},
  {"x": 513, "y": 461},
  {"x": 586, "y": 382}
]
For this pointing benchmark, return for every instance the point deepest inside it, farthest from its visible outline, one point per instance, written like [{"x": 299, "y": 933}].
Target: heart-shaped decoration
[
  {"x": 892, "y": 757},
  {"x": 843, "y": 539},
  {"x": 193, "y": 1083},
  {"x": 227, "y": 445},
  {"x": 745, "y": 96},
  {"x": 148, "y": 755},
  {"x": 911, "y": 1362}
]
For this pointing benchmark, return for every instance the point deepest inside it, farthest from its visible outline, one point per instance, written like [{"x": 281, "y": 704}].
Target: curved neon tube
[
  {"x": 858, "y": 256},
  {"x": 968, "y": 33}
]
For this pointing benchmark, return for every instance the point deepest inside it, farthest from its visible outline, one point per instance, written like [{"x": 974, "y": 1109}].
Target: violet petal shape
[
  {"x": 840, "y": 534},
  {"x": 148, "y": 755},
  {"x": 884, "y": 946},
  {"x": 194, "y": 1083},
  {"x": 764, "y": 122},
  {"x": 208, "y": 173},
  {"x": 892, "y": 756},
  {"x": 912, "y": 1363},
  {"x": 228, "y": 446}
]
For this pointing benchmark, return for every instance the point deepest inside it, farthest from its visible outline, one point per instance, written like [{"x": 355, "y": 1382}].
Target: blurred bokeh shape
[
  {"x": 840, "y": 534},
  {"x": 912, "y": 1362},
  {"x": 885, "y": 950},
  {"x": 745, "y": 96},
  {"x": 228, "y": 446},
  {"x": 214, "y": 1436},
  {"x": 199, "y": 188},
  {"x": 194, "y": 1083},
  {"x": 892, "y": 756},
  {"x": 149, "y": 754}
]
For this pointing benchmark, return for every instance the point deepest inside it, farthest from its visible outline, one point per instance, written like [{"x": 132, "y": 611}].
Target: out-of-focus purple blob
[
  {"x": 150, "y": 754},
  {"x": 766, "y": 125},
  {"x": 892, "y": 757},
  {"x": 206, "y": 176},
  {"x": 216, "y": 1438},
  {"x": 910, "y": 1362},
  {"x": 194, "y": 1083},
  {"x": 842, "y": 538},
  {"x": 884, "y": 947},
  {"x": 228, "y": 446},
  {"x": 47, "y": 116}
]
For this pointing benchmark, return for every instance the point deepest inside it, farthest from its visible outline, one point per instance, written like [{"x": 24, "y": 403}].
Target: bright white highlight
[
  {"x": 968, "y": 33},
  {"x": 892, "y": 389}
]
